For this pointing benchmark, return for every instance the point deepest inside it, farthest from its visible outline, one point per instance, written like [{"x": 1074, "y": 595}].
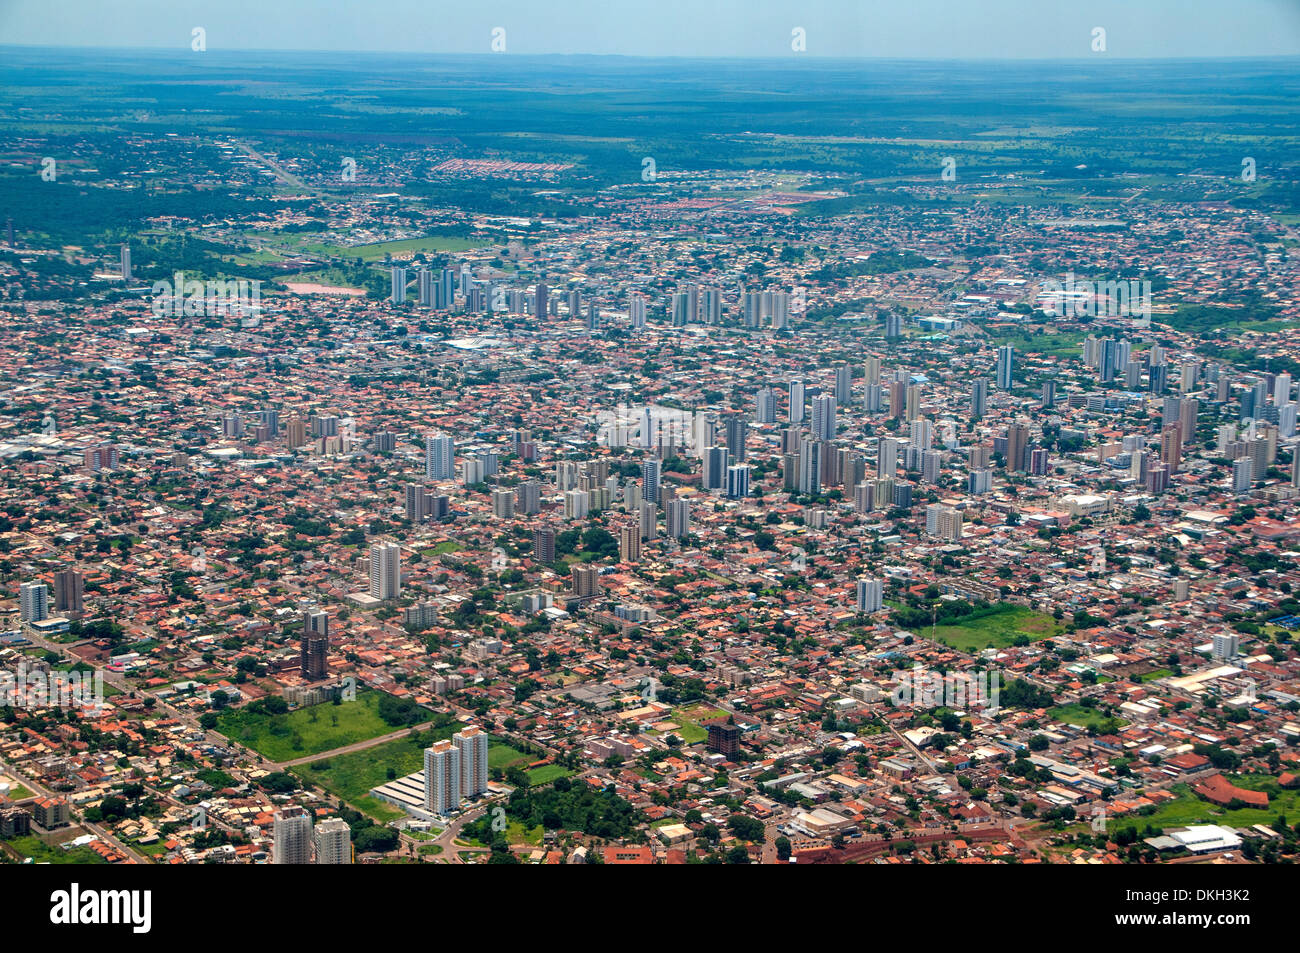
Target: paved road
[
  {"x": 97, "y": 830},
  {"x": 914, "y": 749},
  {"x": 279, "y": 171},
  {"x": 348, "y": 749},
  {"x": 451, "y": 852}
]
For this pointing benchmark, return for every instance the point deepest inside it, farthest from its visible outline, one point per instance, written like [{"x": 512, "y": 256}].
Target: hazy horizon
[{"x": 997, "y": 30}]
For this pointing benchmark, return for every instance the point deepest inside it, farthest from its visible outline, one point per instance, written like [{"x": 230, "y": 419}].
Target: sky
[{"x": 907, "y": 29}]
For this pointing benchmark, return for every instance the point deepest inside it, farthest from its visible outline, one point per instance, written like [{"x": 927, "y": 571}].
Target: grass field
[
  {"x": 516, "y": 833},
  {"x": 501, "y": 755},
  {"x": 18, "y": 792},
  {"x": 999, "y": 629},
  {"x": 351, "y": 776},
  {"x": 1051, "y": 345},
  {"x": 1154, "y": 675},
  {"x": 398, "y": 249},
  {"x": 1081, "y": 717},
  {"x": 1187, "y": 808},
  {"x": 548, "y": 773},
  {"x": 41, "y": 853},
  {"x": 306, "y": 731},
  {"x": 688, "y": 721}
]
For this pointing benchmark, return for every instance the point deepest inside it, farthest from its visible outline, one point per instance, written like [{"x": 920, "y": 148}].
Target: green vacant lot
[
  {"x": 1187, "y": 808},
  {"x": 306, "y": 731},
  {"x": 1082, "y": 717},
  {"x": 502, "y": 755},
  {"x": 999, "y": 629},
  {"x": 351, "y": 776},
  {"x": 1050, "y": 345},
  {"x": 548, "y": 773},
  {"x": 402, "y": 248},
  {"x": 688, "y": 720},
  {"x": 41, "y": 853}
]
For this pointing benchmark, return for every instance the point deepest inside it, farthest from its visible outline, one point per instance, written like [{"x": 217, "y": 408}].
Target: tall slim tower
[
  {"x": 1017, "y": 441},
  {"x": 385, "y": 570},
  {"x": 333, "y": 840},
  {"x": 679, "y": 518},
  {"x": 1006, "y": 354},
  {"x": 33, "y": 602},
  {"x": 69, "y": 586},
  {"x": 442, "y": 784},
  {"x": 796, "y": 402},
  {"x": 439, "y": 457},
  {"x": 292, "y": 836},
  {"x": 313, "y": 656},
  {"x": 540, "y": 301},
  {"x": 979, "y": 396},
  {"x": 650, "y": 480},
  {"x": 823, "y": 422},
  {"x": 472, "y": 744}
]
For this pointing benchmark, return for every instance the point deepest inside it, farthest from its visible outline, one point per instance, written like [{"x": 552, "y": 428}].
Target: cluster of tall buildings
[
  {"x": 455, "y": 770},
  {"x": 69, "y": 596},
  {"x": 447, "y": 288},
  {"x": 296, "y": 839}
]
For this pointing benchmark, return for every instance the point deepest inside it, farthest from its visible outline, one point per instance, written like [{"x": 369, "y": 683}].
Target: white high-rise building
[
  {"x": 887, "y": 458},
  {"x": 870, "y": 595},
  {"x": 291, "y": 832},
  {"x": 577, "y": 503},
  {"x": 796, "y": 402},
  {"x": 650, "y": 518},
  {"x": 472, "y": 743},
  {"x": 780, "y": 309},
  {"x": 650, "y": 480},
  {"x": 679, "y": 518},
  {"x": 703, "y": 433},
  {"x": 714, "y": 473},
  {"x": 442, "y": 783},
  {"x": 1286, "y": 420},
  {"x": 1225, "y": 645},
  {"x": 943, "y": 522},
  {"x": 1006, "y": 361},
  {"x": 921, "y": 434},
  {"x": 333, "y": 840},
  {"x": 1243, "y": 475},
  {"x": 738, "y": 481},
  {"x": 843, "y": 385},
  {"x": 439, "y": 457},
  {"x": 385, "y": 570},
  {"x": 33, "y": 602},
  {"x": 1282, "y": 389},
  {"x": 823, "y": 424}
]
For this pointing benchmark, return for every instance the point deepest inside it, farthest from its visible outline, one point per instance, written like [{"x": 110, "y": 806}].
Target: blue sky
[{"x": 960, "y": 29}]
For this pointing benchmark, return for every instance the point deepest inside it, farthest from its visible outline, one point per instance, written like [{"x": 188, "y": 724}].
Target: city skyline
[{"x": 720, "y": 456}]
